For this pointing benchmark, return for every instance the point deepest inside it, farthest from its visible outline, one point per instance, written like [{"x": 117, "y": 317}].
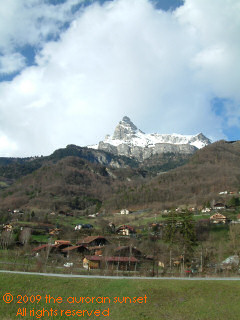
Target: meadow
[{"x": 33, "y": 298}]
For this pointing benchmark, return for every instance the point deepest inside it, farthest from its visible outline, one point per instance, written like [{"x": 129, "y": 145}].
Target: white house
[
  {"x": 124, "y": 211},
  {"x": 78, "y": 227}
]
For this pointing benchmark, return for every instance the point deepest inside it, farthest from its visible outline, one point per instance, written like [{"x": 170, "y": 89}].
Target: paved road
[{"x": 115, "y": 277}]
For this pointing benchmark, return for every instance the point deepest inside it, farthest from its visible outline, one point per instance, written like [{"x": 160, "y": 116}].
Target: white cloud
[
  {"x": 11, "y": 63},
  {"x": 216, "y": 25},
  {"x": 126, "y": 58},
  {"x": 29, "y": 22}
]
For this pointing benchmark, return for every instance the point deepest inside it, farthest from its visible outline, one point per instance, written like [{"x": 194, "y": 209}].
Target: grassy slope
[{"x": 165, "y": 299}]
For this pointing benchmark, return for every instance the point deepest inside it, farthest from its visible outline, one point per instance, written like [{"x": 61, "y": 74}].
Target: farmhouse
[
  {"x": 56, "y": 247},
  {"x": 127, "y": 251},
  {"x": 219, "y": 206},
  {"x": 78, "y": 227},
  {"x": 92, "y": 241},
  {"x": 43, "y": 247},
  {"x": 81, "y": 250},
  {"x": 124, "y": 211},
  {"x": 8, "y": 227},
  {"x": 61, "y": 244},
  {"x": 125, "y": 230},
  {"x": 218, "y": 218},
  {"x": 54, "y": 232},
  {"x": 117, "y": 263}
]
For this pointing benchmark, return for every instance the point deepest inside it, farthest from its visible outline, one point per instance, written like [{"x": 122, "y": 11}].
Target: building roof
[
  {"x": 56, "y": 245},
  {"x": 219, "y": 204},
  {"x": 125, "y": 227},
  {"x": 43, "y": 246},
  {"x": 111, "y": 259},
  {"x": 62, "y": 242},
  {"x": 218, "y": 216},
  {"x": 73, "y": 248},
  {"x": 90, "y": 239}
]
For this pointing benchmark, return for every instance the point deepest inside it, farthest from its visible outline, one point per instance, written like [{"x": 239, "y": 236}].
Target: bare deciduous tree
[{"x": 25, "y": 235}]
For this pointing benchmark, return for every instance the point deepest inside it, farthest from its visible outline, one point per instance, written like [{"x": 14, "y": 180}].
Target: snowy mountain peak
[
  {"x": 128, "y": 140},
  {"x": 125, "y": 130}
]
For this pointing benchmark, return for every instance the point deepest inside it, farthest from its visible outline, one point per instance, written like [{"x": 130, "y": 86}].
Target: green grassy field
[{"x": 162, "y": 299}]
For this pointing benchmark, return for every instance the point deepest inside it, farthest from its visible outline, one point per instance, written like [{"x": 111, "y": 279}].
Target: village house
[
  {"x": 110, "y": 263},
  {"x": 78, "y": 227},
  {"x": 124, "y": 211},
  {"x": 93, "y": 241},
  {"x": 125, "y": 230},
  {"x": 127, "y": 251},
  {"x": 8, "y": 227},
  {"x": 219, "y": 206},
  {"x": 42, "y": 248},
  {"x": 54, "y": 232},
  {"x": 97, "y": 250},
  {"x": 53, "y": 248},
  {"x": 64, "y": 243},
  {"x": 218, "y": 218},
  {"x": 94, "y": 215},
  {"x": 230, "y": 263},
  {"x": 73, "y": 250}
]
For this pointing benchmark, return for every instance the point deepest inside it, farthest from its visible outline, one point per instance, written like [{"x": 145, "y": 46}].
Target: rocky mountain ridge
[{"x": 129, "y": 141}]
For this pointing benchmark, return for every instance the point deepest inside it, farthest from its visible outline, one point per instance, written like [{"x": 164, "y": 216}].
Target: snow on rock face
[
  {"x": 128, "y": 140},
  {"x": 124, "y": 130}
]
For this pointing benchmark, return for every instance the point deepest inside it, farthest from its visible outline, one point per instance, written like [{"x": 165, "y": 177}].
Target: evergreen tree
[
  {"x": 233, "y": 202},
  {"x": 187, "y": 230},
  {"x": 171, "y": 228}
]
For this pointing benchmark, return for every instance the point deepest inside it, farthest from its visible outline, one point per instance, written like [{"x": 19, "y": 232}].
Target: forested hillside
[
  {"x": 210, "y": 170},
  {"x": 67, "y": 180}
]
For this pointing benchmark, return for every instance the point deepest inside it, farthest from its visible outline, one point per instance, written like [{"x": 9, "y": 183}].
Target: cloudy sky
[{"x": 71, "y": 69}]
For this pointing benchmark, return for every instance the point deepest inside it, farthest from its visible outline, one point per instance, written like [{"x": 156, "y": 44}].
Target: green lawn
[{"x": 165, "y": 299}]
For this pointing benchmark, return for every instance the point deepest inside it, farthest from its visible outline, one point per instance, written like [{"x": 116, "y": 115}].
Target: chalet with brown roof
[
  {"x": 42, "y": 247},
  {"x": 8, "y": 227},
  {"x": 45, "y": 248},
  {"x": 80, "y": 250},
  {"x": 218, "y": 218},
  {"x": 56, "y": 247},
  {"x": 96, "y": 250},
  {"x": 219, "y": 206},
  {"x": 117, "y": 263},
  {"x": 54, "y": 232},
  {"x": 62, "y": 242},
  {"x": 127, "y": 251},
  {"x": 125, "y": 230},
  {"x": 93, "y": 241}
]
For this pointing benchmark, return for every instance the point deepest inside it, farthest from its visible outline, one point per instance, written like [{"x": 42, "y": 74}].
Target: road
[{"x": 119, "y": 278}]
